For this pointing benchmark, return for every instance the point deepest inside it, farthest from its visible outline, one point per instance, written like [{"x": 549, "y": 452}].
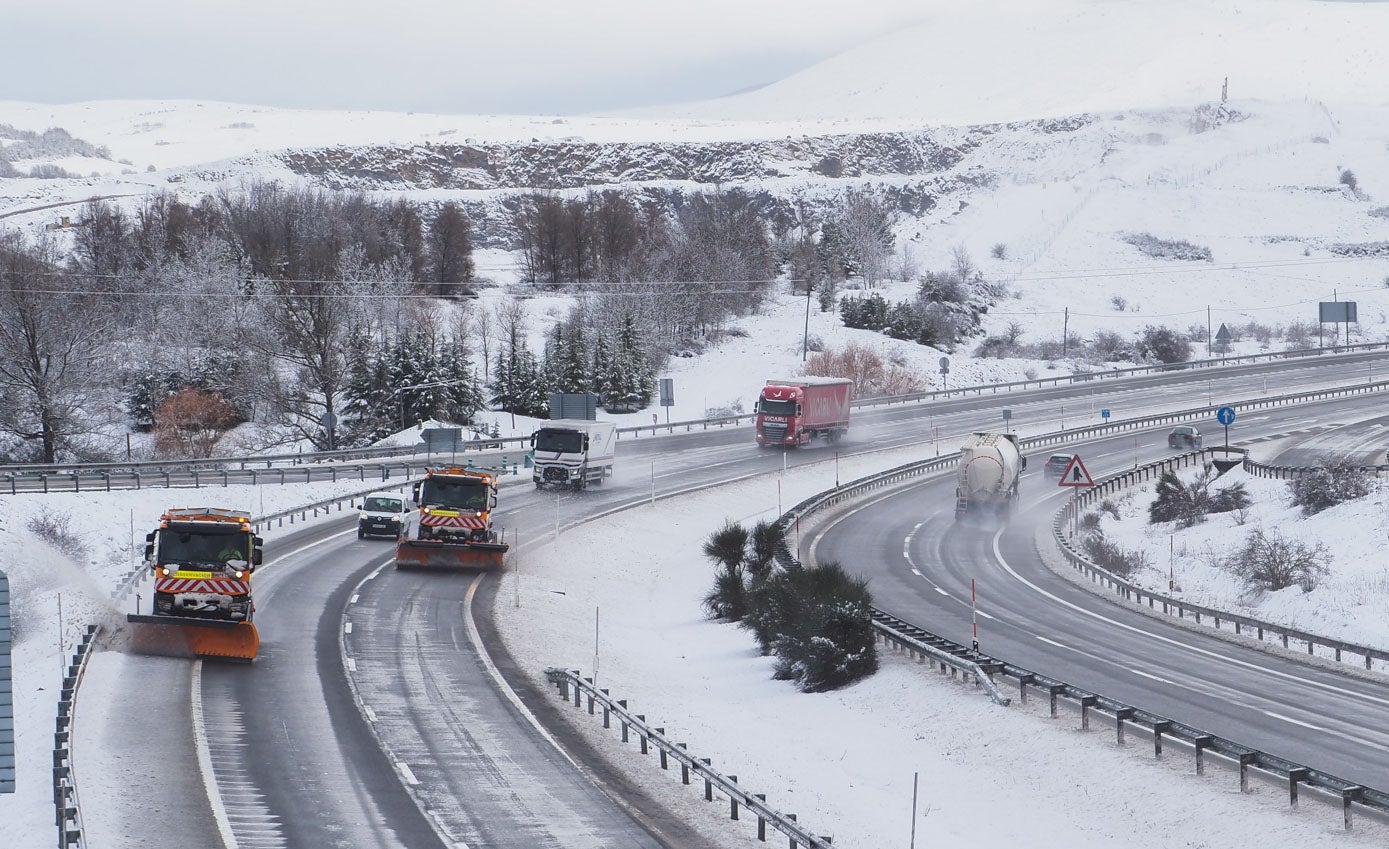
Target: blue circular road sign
[{"x": 1225, "y": 415}]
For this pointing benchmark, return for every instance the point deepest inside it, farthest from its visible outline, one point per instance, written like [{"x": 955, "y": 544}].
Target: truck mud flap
[
  {"x": 434, "y": 555},
  {"x": 181, "y": 636}
]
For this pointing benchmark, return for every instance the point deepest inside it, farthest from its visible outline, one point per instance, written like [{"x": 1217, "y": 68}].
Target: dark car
[
  {"x": 1184, "y": 436},
  {"x": 1056, "y": 464}
]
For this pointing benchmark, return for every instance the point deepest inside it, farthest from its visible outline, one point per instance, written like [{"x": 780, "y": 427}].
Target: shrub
[
  {"x": 729, "y": 597},
  {"x": 1330, "y": 483},
  {"x": 1185, "y": 504},
  {"x": 727, "y": 545},
  {"x": 1272, "y": 562},
  {"x": 1168, "y": 248},
  {"x": 999, "y": 251},
  {"x": 818, "y": 621},
  {"x": 1232, "y": 499},
  {"x": 1110, "y": 346},
  {"x": 1348, "y": 179},
  {"x": 55, "y": 528},
  {"x": 1119, "y": 302},
  {"x": 1110, "y": 557},
  {"x": 1164, "y": 345}
]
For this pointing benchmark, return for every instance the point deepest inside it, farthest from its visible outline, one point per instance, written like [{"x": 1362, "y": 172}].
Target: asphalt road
[{"x": 921, "y": 562}]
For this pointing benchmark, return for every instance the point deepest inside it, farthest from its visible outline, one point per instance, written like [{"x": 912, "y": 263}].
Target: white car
[{"x": 382, "y": 515}]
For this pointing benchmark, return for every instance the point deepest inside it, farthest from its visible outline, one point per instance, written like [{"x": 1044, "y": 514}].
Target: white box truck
[{"x": 573, "y": 453}]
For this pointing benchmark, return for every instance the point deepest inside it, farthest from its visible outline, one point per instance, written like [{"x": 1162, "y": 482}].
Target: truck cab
[
  {"x": 202, "y": 559},
  {"x": 573, "y": 453}
]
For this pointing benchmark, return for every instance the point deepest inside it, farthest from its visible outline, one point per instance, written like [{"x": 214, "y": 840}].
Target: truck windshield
[
  {"x": 768, "y": 407},
  {"x": 454, "y": 495},
  {"x": 383, "y": 505},
  {"x": 209, "y": 545},
  {"x": 567, "y": 441}
]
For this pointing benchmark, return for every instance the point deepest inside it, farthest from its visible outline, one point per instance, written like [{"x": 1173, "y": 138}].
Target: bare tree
[
  {"x": 450, "y": 250},
  {"x": 866, "y": 218},
  {"x": 50, "y": 345},
  {"x": 189, "y": 423}
]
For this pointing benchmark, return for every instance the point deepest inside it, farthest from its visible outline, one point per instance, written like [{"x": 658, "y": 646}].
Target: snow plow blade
[
  {"x": 438, "y": 555},
  {"x": 181, "y": 636}
]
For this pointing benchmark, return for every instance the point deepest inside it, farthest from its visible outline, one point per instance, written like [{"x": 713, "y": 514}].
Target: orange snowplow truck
[
  {"x": 451, "y": 525},
  {"x": 202, "y": 559}
]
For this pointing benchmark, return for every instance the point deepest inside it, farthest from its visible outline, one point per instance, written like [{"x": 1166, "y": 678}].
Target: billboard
[{"x": 1331, "y": 312}]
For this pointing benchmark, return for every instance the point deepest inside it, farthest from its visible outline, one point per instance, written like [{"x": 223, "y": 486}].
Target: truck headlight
[{"x": 362, "y": 516}]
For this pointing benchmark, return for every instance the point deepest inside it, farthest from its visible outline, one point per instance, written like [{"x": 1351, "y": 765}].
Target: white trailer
[
  {"x": 990, "y": 466},
  {"x": 573, "y": 453}
]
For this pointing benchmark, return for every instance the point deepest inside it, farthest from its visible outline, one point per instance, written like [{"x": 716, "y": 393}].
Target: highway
[
  {"x": 921, "y": 562},
  {"x": 411, "y": 742}
]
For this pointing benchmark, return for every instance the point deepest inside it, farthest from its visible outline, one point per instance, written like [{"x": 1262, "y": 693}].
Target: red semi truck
[{"x": 798, "y": 409}]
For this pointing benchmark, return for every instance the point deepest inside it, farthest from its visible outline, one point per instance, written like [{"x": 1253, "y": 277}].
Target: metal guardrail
[
  {"x": 1287, "y": 473},
  {"x": 1171, "y": 606},
  {"x": 67, "y": 811},
  {"x": 668, "y": 749}
]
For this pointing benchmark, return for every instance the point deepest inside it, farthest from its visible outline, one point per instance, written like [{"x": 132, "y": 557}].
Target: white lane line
[
  {"x": 214, "y": 798},
  {"x": 1294, "y": 721},
  {"x": 404, "y": 768},
  {"x": 351, "y": 664},
  {"x": 1153, "y": 677},
  {"x": 985, "y": 615},
  {"x": 347, "y": 627},
  {"x": 354, "y": 598},
  {"x": 917, "y": 572},
  {"x": 1053, "y": 643},
  {"x": 371, "y": 714},
  {"x": 941, "y": 591}
]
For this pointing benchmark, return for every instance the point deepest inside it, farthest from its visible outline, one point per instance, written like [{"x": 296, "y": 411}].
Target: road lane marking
[
  {"x": 410, "y": 778},
  {"x": 351, "y": 664},
  {"x": 1295, "y": 721},
  {"x": 941, "y": 591},
  {"x": 1053, "y": 642},
  {"x": 347, "y": 627},
  {"x": 371, "y": 714},
  {"x": 214, "y": 798},
  {"x": 1153, "y": 677}
]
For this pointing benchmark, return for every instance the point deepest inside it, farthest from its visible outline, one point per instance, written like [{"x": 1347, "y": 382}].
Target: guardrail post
[
  {"x": 1159, "y": 728},
  {"x": 733, "y": 800},
  {"x": 1245, "y": 760},
  {"x": 665, "y": 757},
  {"x": 708, "y": 784},
  {"x": 761, "y": 823},
  {"x": 641, "y": 733},
  {"x": 623, "y": 703},
  {"x": 1348, "y": 795},
  {"x": 792, "y": 818},
  {"x": 1120, "y": 717},
  {"x": 1086, "y": 702},
  {"x": 1295, "y": 775},
  {"x": 1053, "y": 690},
  {"x": 607, "y": 712}
]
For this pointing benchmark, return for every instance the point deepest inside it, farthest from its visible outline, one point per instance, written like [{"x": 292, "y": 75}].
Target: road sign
[
  {"x": 1225, "y": 415},
  {"x": 944, "y": 365},
  {"x": 1223, "y": 337},
  {"x": 1104, "y": 414},
  {"x": 667, "y": 385},
  {"x": 1075, "y": 474},
  {"x": 1007, "y": 414}
]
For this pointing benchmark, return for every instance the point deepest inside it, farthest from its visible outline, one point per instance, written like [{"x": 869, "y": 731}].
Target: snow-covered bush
[
  {"x": 1164, "y": 345},
  {"x": 821, "y": 621},
  {"x": 1330, "y": 483},
  {"x": 55, "y": 528},
  {"x": 1349, "y": 180},
  {"x": 1176, "y": 249},
  {"x": 1109, "y": 556},
  {"x": 1269, "y": 561},
  {"x": 1188, "y": 504}
]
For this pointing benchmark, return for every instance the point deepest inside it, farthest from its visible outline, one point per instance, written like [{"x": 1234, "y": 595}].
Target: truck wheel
[{"x": 361, "y": 534}]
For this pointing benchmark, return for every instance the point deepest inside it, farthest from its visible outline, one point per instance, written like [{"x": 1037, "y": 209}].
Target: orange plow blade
[
  {"x": 174, "y": 636},
  {"x": 434, "y": 555}
]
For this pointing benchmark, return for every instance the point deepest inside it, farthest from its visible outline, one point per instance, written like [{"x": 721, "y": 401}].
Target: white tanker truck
[{"x": 990, "y": 465}]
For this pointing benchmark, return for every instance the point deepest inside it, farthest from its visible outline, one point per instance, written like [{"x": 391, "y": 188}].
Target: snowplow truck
[
  {"x": 451, "y": 523},
  {"x": 990, "y": 466},
  {"x": 202, "y": 559}
]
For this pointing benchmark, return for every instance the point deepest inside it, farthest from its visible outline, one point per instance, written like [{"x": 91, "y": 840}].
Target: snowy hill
[{"x": 1007, "y": 60}]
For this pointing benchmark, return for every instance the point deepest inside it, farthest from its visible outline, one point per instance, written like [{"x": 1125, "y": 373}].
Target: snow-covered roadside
[
  {"x": 1350, "y": 603},
  {"x": 843, "y": 761}
]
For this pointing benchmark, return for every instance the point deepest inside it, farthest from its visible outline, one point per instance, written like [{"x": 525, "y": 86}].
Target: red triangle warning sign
[{"x": 1075, "y": 474}]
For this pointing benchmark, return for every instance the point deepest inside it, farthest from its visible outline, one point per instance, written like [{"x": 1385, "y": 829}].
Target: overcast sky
[{"x": 453, "y": 56}]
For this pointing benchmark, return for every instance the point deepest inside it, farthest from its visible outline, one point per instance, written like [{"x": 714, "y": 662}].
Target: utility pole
[
  {"x": 1208, "y": 331},
  {"x": 1065, "y": 332},
  {"x": 805, "y": 340}
]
